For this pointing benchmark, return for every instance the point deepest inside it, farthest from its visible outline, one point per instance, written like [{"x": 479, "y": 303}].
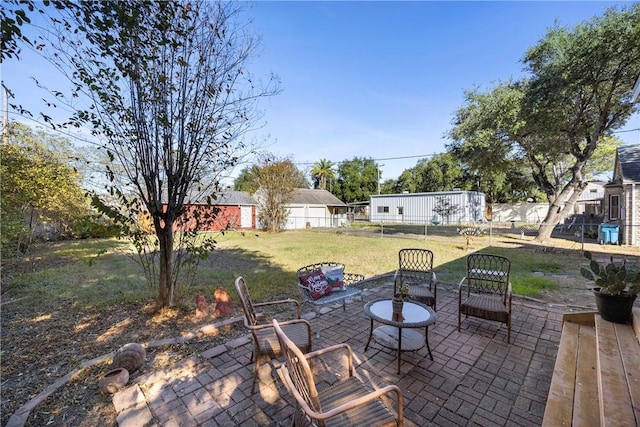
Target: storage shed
[
  {"x": 311, "y": 208},
  {"x": 446, "y": 207},
  {"x": 230, "y": 210}
]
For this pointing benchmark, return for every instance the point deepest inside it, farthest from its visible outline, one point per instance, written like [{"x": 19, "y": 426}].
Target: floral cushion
[
  {"x": 335, "y": 277},
  {"x": 316, "y": 283}
]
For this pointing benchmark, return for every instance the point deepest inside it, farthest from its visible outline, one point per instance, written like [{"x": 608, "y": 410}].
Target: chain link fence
[
  {"x": 586, "y": 232},
  {"x": 582, "y": 230}
]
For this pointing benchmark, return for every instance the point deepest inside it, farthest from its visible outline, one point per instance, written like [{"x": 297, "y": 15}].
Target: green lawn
[{"x": 98, "y": 273}]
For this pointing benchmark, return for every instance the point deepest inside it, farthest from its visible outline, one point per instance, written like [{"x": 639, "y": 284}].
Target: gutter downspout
[{"x": 635, "y": 232}]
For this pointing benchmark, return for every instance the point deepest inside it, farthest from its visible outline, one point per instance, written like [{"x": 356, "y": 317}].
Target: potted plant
[
  {"x": 617, "y": 286},
  {"x": 400, "y": 297}
]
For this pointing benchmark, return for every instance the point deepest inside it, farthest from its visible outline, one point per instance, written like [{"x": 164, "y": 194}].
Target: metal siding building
[{"x": 418, "y": 208}]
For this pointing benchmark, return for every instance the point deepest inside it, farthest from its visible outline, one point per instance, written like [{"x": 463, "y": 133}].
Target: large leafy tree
[
  {"x": 578, "y": 92},
  {"x": 247, "y": 180},
  {"x": 357, "y": 180},
  {"x": 277, "y": 179},
  {"x": 169, "y": 97},
  {"x": 407, "y": 181},
  {"x": 39, "y": 185},
  {"x": 321, "y": 172},
  {"x": 440, "y": 173}
]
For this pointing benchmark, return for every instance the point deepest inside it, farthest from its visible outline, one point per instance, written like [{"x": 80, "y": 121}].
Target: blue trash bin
[{"x": 608, "y": 234}]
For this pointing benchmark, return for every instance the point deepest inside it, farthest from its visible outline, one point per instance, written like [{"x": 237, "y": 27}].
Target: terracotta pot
[
  {"x": 614, "y": 308},
  {"x": 113, "y": 381},
  {"x": 130, "y": 357}
]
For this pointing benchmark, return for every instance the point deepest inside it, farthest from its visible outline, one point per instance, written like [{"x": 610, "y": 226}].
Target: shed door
[{"x": 246, "y": 220}]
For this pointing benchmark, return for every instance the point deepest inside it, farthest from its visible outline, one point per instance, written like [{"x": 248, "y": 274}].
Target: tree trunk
[
  {"x": 554, "y": 216},
  {"x": 166, "y": 285},
  {"x": 559, "y": 210}
]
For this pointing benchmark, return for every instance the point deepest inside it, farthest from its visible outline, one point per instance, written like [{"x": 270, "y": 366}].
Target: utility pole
[
  {"x": 378, "y": 167},
  {"x": 5, "y": 121}
]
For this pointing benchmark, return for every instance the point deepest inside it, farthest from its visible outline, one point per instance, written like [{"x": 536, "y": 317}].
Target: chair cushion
[
  {"x": 488, "y": 307},
  {"x": 269, "y": 344},
  {"x": 335, "y": 277},
  {"x": 316, "y": 283},
  {"x": 422, "y": 294},
  {"x": 373, "y": 413}
]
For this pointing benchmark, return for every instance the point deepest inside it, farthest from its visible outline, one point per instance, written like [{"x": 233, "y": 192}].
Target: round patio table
[{"x": 400, "y": 334}]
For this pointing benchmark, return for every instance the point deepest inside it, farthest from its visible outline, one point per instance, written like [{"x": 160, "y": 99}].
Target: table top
[{"x": 415, "y": 314}]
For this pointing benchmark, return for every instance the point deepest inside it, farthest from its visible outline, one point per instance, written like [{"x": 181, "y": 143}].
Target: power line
[
  {"x": 626, "y": 130},
  {"x": 376, "y": 160},
  {"x": 55, "y": 129}
]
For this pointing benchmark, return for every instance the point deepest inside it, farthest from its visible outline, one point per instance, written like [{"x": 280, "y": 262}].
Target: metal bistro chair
[
  {"x": 348, "y": 402},
  {"x": 265, "y": 342},
  {"x": 488, "y": 290},
  {"x": 415, "y": 267}
]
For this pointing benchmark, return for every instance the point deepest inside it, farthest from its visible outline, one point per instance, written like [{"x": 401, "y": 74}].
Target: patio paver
[{"x": 475, "y": 379}]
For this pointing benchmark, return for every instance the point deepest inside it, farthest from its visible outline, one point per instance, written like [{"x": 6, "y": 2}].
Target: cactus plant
[{"x": 613, "y": 278}]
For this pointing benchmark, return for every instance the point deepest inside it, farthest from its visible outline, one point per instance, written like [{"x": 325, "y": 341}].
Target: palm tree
[{"x": 321, "y": 171}]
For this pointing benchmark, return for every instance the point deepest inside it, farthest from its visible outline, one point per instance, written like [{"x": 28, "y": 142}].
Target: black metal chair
[
  {"x": 485, "y": 291},
  {"x": 415, "y": 268}
]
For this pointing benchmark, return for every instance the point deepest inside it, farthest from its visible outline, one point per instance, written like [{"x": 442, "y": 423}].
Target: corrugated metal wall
[{"x": 418, "y": 208}]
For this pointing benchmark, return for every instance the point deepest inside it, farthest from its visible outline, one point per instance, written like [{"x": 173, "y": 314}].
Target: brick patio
[{"x": 475, "y": 379}]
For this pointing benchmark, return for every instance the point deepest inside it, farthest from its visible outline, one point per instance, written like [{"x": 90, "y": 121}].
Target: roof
[
  {"x": 231, "y": 197},
  {"x": 309, "y": 196},
  {"x": 223, "y": 198},
  {"x": 436, "y": 193},
  {"x": 629, "y": 158}
]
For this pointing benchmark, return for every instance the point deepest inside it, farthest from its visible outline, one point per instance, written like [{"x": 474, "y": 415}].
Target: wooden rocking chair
[
  {"x": 266, "y": 345},
  {"x": 348, "y": 402}
]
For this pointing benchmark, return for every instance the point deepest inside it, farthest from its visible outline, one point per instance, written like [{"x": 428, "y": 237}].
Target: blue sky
[
  {"x": 377, "y": 79},
  {"x": 383, "y": 79}
]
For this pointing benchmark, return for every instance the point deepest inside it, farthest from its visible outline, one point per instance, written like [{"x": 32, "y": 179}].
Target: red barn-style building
[{"x": 231, "y": 210}]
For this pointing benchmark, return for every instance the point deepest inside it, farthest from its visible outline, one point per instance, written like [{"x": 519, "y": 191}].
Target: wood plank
[
  {"x": 582, "y": 317},
  {"x": 630, "y": 351},
  {"x": 615, "y": 401},
  {"x": 586, "y": 413},
  {"x": 559, "y": 408}
]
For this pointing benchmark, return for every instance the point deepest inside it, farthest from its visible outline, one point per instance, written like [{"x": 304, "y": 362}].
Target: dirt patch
[
  {"x": 572, "y": 291},
  {"x": 37, "y": 350}
]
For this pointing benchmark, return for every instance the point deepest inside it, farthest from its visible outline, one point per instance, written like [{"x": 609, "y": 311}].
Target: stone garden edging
[{"x": 19, "y": 417}]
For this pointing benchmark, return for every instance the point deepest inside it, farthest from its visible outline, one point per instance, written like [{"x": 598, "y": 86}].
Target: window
[
  {"x": 383, "y": 209},
  {"x": 614, "y": 206},
  {"x": 400, "y": 210}
]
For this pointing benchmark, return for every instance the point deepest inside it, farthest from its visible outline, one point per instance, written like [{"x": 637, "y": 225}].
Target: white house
[
  {"x": 622, "y": 195},
  {"x": 589, "y": 203},
  {"x": 310, "y": 208},
  {"x": 446, "y": 207}
]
